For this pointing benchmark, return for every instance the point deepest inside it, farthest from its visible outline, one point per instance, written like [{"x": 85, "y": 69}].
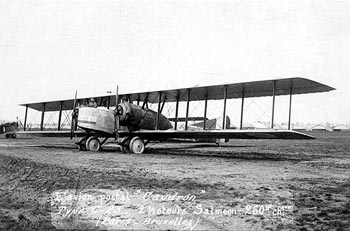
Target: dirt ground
[{"x": 47, "y": 184}]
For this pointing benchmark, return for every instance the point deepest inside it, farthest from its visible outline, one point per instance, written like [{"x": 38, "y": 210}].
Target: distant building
[
  {"x": 339, "y": 128},
  {"x": 321, "y": 128},
  {"x": 294, "y": 127},
  {"x": 254, "y": 126},
  {"x": 299, "y": 127},
  {"x": 248, "y": 126}
]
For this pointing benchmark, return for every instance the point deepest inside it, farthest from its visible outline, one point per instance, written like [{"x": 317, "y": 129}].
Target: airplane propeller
[
  {"x": 116, "y": 117},
  {"x": 74, "y": 116}
]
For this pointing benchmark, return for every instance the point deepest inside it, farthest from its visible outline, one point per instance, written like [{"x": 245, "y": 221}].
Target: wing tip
[{"x": 304, "y": 136}]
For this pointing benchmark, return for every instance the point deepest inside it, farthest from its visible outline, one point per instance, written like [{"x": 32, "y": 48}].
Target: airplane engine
[{"x": 135, "y": 118}]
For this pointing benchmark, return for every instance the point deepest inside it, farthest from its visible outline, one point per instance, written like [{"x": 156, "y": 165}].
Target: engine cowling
[{"x": 136, "y": 118}]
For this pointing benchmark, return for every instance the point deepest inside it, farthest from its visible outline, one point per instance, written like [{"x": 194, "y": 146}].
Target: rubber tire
[
  {"x": 93, "y": 144},
  {"x": 137, "y": 145}
]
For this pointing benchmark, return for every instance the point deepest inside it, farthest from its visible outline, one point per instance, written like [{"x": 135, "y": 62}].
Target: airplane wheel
[
  {"x": 137, "y": 145},
  {"x": 93, "y": 144}
]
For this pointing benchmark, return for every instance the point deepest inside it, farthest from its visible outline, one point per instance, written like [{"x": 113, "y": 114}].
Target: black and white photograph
[{"x": 175, "y": 115}]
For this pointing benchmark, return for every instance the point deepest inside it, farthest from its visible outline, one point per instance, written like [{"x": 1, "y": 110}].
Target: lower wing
[
  {"x": 219, "y": 134},
  {"x": 198, "y": 134}
]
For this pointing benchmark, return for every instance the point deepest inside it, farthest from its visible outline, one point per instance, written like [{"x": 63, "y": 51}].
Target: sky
[{"x": 48, "y": 49}]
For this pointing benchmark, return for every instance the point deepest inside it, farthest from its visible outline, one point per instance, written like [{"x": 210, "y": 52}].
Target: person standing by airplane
[{"x": 92, "y": 103}]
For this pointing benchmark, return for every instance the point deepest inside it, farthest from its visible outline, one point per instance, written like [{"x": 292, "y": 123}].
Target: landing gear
[
  {"x": 127, "y": 144},
  {"x": 124, "y": 145},
  {"x": 93, "y": 144},
  {"x": 136, "y": 145},
  {"x": 90, "y": 143},
  {"x": 11, "y": 136},
  {"x": 82, "y": 144}
]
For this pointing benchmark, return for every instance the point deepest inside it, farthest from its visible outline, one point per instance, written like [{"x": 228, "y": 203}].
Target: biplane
[{"x": 128, "y": 118}]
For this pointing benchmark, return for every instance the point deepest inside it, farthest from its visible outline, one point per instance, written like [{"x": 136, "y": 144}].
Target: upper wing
[
  {"x": 248, "y": 89},
  {"x": 218, "y": 134}
]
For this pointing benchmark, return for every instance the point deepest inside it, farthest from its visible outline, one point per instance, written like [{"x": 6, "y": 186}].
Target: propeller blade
[
  {"x": 116, "y": 125},
  {"x": 72, "y": 124}
]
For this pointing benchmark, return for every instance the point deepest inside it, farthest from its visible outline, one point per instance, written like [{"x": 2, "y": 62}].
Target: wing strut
[
  {"x": 42, "y": 117},
  {"x": 116, "y": 117},
  {"x": 205, "y": 110},
  {"x": 74, "y": 116},
  {"x": 224, "y": 110},
  {"x": 159, "y": 109},
  {"x": 59, "y": 117},
  {"x": 188, "y": 107},
  {"x": 177, "y": 109},
  {"x": 273, "y": 103},
  {"x": 290, "y": 104},
  {"x": 242, "y": 108},
  {"x": 25, "y": 118}
]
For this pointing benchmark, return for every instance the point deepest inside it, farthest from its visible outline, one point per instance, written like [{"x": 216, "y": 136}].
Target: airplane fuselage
[{"x": 131, "y": 116}]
